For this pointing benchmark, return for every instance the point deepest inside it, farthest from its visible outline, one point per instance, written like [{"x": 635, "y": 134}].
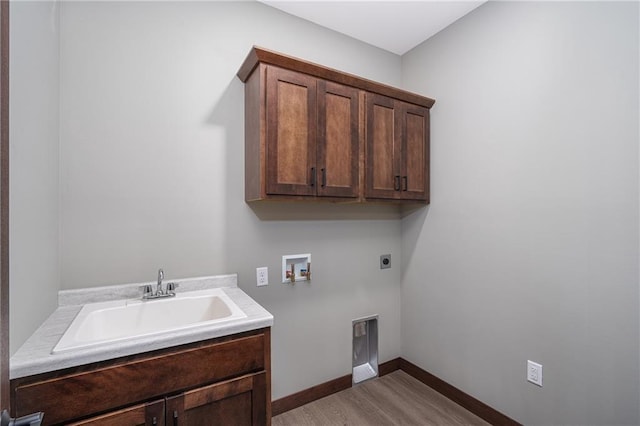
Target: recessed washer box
[
  {"x": 365, "y": 349},
  {"x": 296, "y": 266}
]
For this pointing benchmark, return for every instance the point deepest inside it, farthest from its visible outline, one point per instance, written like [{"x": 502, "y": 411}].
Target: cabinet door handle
[
  {"x": 324, "y": 177},
  {"x": 154, "y": 421},
  {"x": 405, "y": 186},
  {"x": 396, "y": 183},
  {"x": 175, "y": 418},
  {"x": 313, "y": 176}
]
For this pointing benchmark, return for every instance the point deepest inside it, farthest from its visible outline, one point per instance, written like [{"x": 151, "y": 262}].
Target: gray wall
[
  {"x": 529, "y": 249},
  {"x": 34, "y": 220},
  {"x": 152, "y": 169}
]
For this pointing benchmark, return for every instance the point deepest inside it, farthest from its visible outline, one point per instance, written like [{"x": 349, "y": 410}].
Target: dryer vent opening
[{"x": 365, "y": 349}]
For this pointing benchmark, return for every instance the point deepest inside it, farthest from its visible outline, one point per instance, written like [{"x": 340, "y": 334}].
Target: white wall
[
  {"x": 529, "y": 249},
  {"x": 33, "y": 216},
  {"x": 152, "y": 169}
]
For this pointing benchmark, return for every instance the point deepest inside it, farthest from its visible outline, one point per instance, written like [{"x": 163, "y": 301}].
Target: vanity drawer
[{"x": 81, "y": 393}]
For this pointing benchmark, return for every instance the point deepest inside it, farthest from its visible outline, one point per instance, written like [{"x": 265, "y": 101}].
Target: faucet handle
[
  {"x": 147, "y": 291},
  {"x": 171, "y": 288}
]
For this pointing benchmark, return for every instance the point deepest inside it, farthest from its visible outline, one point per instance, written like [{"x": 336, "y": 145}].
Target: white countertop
[{"x": 35, "y": 357}]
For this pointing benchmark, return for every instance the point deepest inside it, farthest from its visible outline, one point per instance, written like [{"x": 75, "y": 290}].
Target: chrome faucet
[
  {"x": 159, "y": 291},
  {"x": 148, "y": 293}
]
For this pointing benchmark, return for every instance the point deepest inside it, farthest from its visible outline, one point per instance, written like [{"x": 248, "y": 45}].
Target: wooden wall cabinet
[
  {"x": 397, "y": 164},
  {"x": 222, "y": 381},
  {"x": 308, "y": 136},
  {"x": 309, "y": 145},
  {"x": 311, "y": 136}
]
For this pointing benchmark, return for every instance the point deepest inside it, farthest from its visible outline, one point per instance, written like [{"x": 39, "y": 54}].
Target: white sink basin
[{"x": 106, "y": 322}]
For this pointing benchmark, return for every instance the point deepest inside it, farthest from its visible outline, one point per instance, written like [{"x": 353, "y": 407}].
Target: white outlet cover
[
  {"x": 534, "y": 373},
  {"x": 262, "y": 276}
]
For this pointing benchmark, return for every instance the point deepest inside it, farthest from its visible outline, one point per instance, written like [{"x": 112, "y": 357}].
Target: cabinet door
[
  {"x": 415, "y": 152},
  {"x": 151, "y": 414},
  {"x": 397, "y": 149},
  {"x": 237, "y": 402},
  {"x": 291, "y": 133},
  {"x": 338, "y": 140},
  {"x": 383, "y": 157}
]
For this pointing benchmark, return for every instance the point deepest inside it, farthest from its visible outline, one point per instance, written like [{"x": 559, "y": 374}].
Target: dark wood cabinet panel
[
  {"x": 238, "y": 399},
  {"x": 307, "y": 145},
  {"x": 382, "y": 170},
  {"x": 291, "y": 132},
  {"x": 415, "y": 155},
  {"x": 151, "y": 414},
  {"x": 338, "y": 140},
  {"x": 397, "y": 146},
  {"x": 121, "y": 390}
]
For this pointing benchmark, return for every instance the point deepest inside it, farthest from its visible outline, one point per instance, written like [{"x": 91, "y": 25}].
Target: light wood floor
[{"x": 394, "y": 399}]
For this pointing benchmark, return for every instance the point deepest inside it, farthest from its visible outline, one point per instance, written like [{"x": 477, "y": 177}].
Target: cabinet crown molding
[{"x": 259, "y": 55}]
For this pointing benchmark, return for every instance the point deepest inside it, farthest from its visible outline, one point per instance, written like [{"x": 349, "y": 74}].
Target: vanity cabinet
[
  {"x": 220, "y": 381},
  {"x": 314, "y": 133},
  {"x": 397, "y": 150},
  {"x": 236, "y": 401}
]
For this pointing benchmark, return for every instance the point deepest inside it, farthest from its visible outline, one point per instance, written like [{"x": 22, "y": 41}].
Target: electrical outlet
[
  {"x": 534, "y": 373},
  {"x": 262, "y": 276},
  {"x": 385, "y": 261}
]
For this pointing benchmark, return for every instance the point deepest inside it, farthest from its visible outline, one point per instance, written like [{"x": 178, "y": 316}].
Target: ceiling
[{"x": 395, "y": 26}]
